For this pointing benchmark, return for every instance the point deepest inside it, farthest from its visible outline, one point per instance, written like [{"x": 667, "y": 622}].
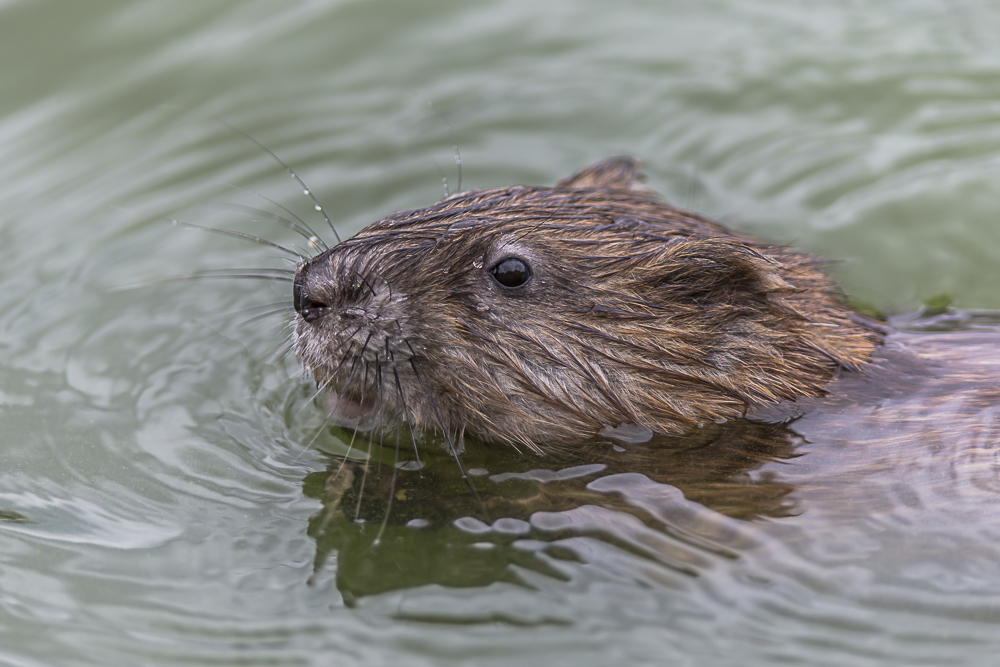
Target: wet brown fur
[{"x": 636, "y": 313}]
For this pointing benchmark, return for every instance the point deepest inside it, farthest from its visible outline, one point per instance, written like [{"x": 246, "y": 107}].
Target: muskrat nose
[
  {"x": 313, "y": 310},
  {"x": 308, "y": 305}
]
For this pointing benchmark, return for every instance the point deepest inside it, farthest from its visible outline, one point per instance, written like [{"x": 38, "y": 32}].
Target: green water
[{"x": 161, "y": 490}]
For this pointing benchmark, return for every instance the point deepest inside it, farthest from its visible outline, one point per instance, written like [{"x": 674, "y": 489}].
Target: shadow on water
[
  {"x": 913, "y": 440},
  {"x": 441, "y": 531}
]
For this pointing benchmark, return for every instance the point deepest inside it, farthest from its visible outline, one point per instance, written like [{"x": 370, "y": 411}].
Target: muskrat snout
[{"x": 307, "y": 305}]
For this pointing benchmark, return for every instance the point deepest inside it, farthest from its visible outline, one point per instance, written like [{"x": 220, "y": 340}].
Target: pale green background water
[{"x": 152, "y": 464}]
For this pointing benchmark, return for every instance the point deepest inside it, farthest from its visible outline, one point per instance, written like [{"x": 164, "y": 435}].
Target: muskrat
[{"x": 546, "y": 316}]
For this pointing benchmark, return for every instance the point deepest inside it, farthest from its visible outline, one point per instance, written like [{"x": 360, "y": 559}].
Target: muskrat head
[{"x": 543, "y": 315}]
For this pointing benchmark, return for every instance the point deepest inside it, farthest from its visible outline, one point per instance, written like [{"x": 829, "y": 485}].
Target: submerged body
[{"x": 545, "y": 316}]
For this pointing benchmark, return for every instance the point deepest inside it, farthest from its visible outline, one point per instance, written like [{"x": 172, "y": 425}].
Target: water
[{"x": 164, "y": 497}]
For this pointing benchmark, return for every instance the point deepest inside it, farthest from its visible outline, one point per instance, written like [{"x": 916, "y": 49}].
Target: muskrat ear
[
  {"x": 614, "y": 173},
  {"x": 717, "y": 270}
]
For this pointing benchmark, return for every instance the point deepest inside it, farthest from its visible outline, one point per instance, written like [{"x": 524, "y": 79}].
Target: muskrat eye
[{"x": 511, "y": 272}]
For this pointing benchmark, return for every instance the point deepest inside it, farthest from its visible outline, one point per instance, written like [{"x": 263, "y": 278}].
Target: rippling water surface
[{"x": 168, "y": 494}]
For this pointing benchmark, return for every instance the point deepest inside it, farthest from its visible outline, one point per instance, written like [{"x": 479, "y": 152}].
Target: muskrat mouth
[{"x": 349, "y": 413}]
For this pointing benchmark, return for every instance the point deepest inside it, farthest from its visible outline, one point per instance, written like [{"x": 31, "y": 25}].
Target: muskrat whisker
[
  {"x": 392, "y": 494},
  {"x": 193, "y": 277},
  {"x": 300, "y": 226},
  {"x": 402, "y": 402},
  {"x": 320, "y": 388},
  {"x": 348, "y": 353},
  {"x": 381, "y": 433},
  {"x": 364, "y": 481},
  {"x": 287, "y": 342},
  {"x": 380, "y": 400},
  {"x": 236, "y": 275},
  {"x": 454, "y": 145},
  {"x": 368, "y": 459},
  {"x": 531, "y": 230},
  {"x": 444, "y": 179},
  {"x": 344, "y": 459},
  {"x": 283, "y": 310},
  {"x": 458, "y": 159},
  {"x": 417, "y": 372},
  {"x": 262, "y": 271},
  {"x": 305, "y": 188},
  {"x": 288, "y": 347},
  {"x": 308, "y": 445},
  {"x": 364, "y": 280},
  {"x": 242, "y": 236},
  {"x": 273, "y": 304}
]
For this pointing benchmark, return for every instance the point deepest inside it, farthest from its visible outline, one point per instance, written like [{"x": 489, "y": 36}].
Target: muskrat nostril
[
  {"x": 310, "y": 308},
  {"x": 313, "y": 310}
]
